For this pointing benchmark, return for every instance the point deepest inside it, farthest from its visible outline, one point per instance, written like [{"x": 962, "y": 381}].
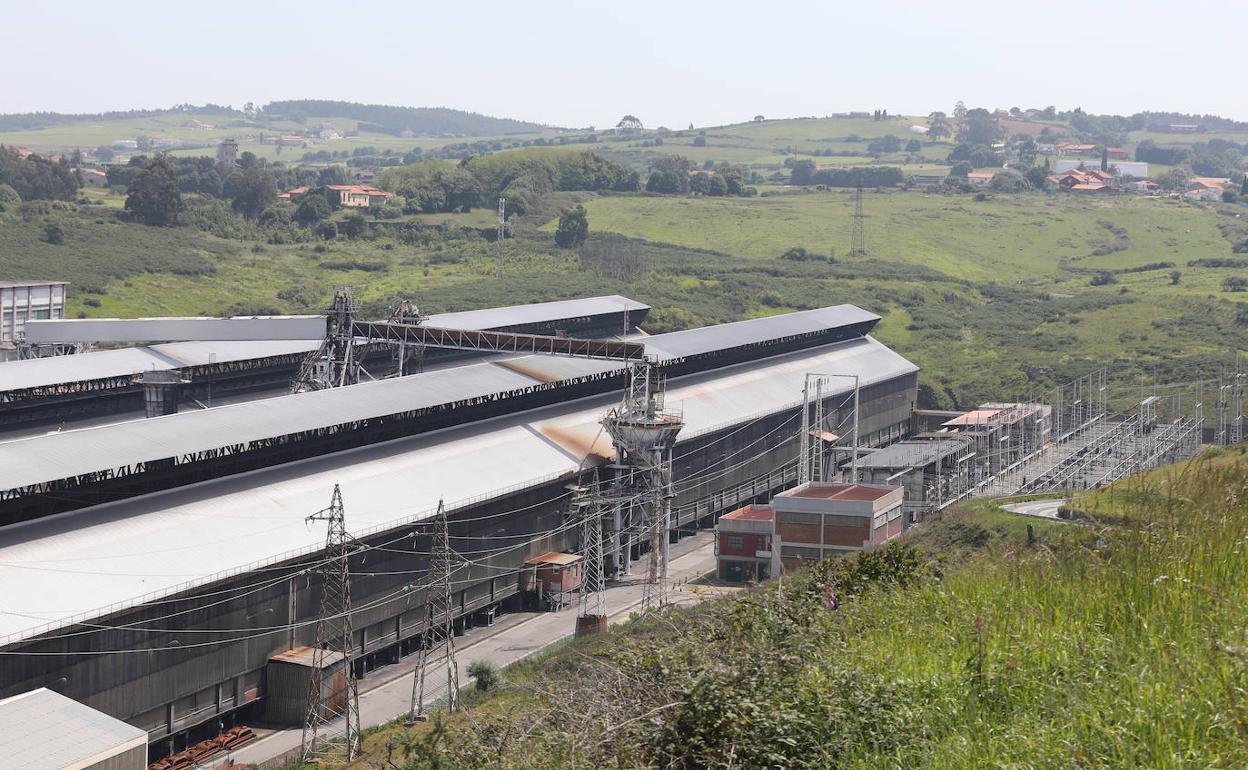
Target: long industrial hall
[{"x": 193, "y": 570}]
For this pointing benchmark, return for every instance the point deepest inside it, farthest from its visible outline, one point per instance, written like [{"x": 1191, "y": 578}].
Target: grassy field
[
  {"x": 991, "y": 298},
  {"x": 1009, "y": 238},
  {"x": 984, "y": 640}
]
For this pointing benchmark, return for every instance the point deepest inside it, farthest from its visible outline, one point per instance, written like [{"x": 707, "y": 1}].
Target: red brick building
[
  {"x": 821, "y": 519},
  {"x": 743, "y": 544}
]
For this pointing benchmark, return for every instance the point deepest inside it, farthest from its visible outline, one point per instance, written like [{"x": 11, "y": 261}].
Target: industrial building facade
[
  {"x": 22, "y": 301},
  {"x": 187, "y": 534}
]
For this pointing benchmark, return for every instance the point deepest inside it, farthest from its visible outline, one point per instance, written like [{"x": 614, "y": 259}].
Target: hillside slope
[{"x": 1116, "y": 644}]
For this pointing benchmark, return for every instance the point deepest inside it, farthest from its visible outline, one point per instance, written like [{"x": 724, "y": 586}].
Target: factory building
[
  {"x": 44, "y": 730},
  {"x": 176, "y": 531},
  {"x": 221, "y": 359},
  {"x": 24, "y": 301}
]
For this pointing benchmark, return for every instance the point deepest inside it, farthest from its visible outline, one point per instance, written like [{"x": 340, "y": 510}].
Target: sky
[{"x": 576, "y": 64}]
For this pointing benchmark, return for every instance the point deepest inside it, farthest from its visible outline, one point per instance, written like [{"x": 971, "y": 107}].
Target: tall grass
[{"x": 1118, "y": 642}]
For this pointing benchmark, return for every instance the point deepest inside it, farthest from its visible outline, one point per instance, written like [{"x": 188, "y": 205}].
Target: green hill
[{"x": 1116, "y": 643}]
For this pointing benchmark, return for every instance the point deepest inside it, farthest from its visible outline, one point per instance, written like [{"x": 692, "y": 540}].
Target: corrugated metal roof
[
  {"x": 907, "y": 454},
  {"x": 96, "y": 365},
  {"x": 541, "y": 312},
  {"x": 58, "y": 567},
  {"x": 41, "y": 372},
  {"x": 44, "y": 730},
  {"x": 710, "y": 338},
  {"x": 74, "y": 452}
]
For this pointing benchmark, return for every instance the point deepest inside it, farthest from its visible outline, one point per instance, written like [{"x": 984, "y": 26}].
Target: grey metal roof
[
  {"x": 541, "y": 312},
  {"x": 17, "y": 284},
  {"x": 122, "y": 553},
  {"x": 70, "y": 453},
  {"x": 44, "y": 730},
  {"x": 98, "y": 365},
  {"x": 710, "y": 338},
  {"x": 907, "y": 454}
]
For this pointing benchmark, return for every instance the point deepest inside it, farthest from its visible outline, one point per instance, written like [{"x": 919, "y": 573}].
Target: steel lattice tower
[
  {"x": 332, "y": 725},
  {"x": 332, "y": 364},
  {"x": 587, "y": 502},
  {"x": 502, "y": 231},
  {"x": 440, "y": 622},
  {"x": 409, "y": 357},
  {"x": 858, "y": 242},
  {"x": 643, "y": 434}
]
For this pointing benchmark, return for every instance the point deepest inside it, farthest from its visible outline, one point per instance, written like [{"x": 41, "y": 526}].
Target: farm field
[{"x": 1008, "y": 238}]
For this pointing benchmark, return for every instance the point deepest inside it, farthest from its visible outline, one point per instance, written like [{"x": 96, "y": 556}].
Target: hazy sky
[{"x": 670, "y": 63}]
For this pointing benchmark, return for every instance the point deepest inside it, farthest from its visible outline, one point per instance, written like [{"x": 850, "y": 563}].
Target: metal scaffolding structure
[
  {"x": 643, "y": 434},
  {"x": 812, "y": 465},
  {"x": 439, "y": 621},
  {"x": 332, "y": 726},
  {"x": 333, "y": 363},
  {"x": 858, "y": 244},
  {"x": 587, "y": 504},
  {"x": 409, "y": 357}
]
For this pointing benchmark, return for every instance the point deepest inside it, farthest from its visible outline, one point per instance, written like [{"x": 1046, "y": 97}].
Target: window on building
[{"x": 735, "y": 541}]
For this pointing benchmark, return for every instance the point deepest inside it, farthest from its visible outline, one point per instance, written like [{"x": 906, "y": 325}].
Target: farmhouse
[
  {"x": 360, "y": 195},
  {"x": 980, "y": 177}
]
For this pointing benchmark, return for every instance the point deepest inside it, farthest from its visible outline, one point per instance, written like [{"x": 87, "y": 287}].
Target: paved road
[
  {"x": 1044, "y": 509},
  {"x": 513, "y": 638}
]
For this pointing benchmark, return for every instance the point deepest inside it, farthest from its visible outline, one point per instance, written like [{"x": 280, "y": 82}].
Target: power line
[{"x": 438, "y": 610}]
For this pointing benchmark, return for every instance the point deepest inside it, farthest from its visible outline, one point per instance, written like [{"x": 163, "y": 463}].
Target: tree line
[{"x": 38, "y": 178}]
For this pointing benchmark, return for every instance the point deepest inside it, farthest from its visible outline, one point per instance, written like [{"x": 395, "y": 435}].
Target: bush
[
  {"x": 91, "y": 302},
  {"x": 52, "y": 233},
  {"x": 1104, "y": 278},
  {"x": 1235, "y": 283},
  {"x": 486, "y": 673},
  {"x": 327, "y": 230}
]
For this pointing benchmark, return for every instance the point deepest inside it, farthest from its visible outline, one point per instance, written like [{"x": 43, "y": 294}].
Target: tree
[
  {"x": 153, "y": 196},
  {"x": 1037, "y": 177},
  {"x": 885, "y": 145},
  {"x": 335, "y": 174},
  {"x": 312, "y": 209},
  {"x": 629, "y": 123},
  {"x": 1235, "y": 283},
  {"x": 979, "y": 127},
  {"x": 53, "y": 234},
  {"x": 1175, "y": 277},
  {"x": 8, "y": 194},
  {"x": 254, "y": 191},
  {"x": 938, "y": 126},
  {"x": 354, "y": 225},
  {"x": 1173, "y": 180},
  {"x": 699, "y": 141},
  {"x": 104, "y": 153},
  {"x": 573, "y": 228},
  {"x": 759, "y": 118},
  {"x": 803, "y": 172},
  {"x": 914, "y": 146},
  {"x": 959, "y": 110},
  {"x": 327, "y": 230}
]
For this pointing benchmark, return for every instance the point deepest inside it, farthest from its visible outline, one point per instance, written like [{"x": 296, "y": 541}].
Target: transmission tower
[
  {"x": 587, "y": 502},
  {"x": 332, "y": 725},
  {"x": 502, "y": 231},
  {"x": 409, "y": 357},
  {"x": 440, "y": 623},
  {"x": 643, "y": 435},
  {"x": 858, "y": 243},
  {"x": 333, "y": 363}
]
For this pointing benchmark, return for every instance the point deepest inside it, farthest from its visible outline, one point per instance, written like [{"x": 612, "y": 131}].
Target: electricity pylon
[
  {"x": 332, "y": 725},
  {"x": 588, "y": 503},
  {"x": 439, "y": 621}
]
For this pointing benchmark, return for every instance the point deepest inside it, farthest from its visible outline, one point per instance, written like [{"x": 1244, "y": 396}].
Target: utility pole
[
  {"x": 858, "y": 242},
  {"x": 332, "y": 726},
  {"x": 440, "y": 624},
  {"x": 588, "y": 504}
]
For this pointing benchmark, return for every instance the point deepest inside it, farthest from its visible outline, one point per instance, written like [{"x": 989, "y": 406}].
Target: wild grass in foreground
[{"x": 1118, "y": 643}]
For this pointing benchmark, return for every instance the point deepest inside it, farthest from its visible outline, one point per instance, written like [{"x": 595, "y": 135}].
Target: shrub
[
  {"x": 486, "y": 674},
  {"x": 91, "y": 302},
  {"x": 52, "y": 233},
  {"x": 1235, "y": 283},
  {"x": 1103, "y": 278}
]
